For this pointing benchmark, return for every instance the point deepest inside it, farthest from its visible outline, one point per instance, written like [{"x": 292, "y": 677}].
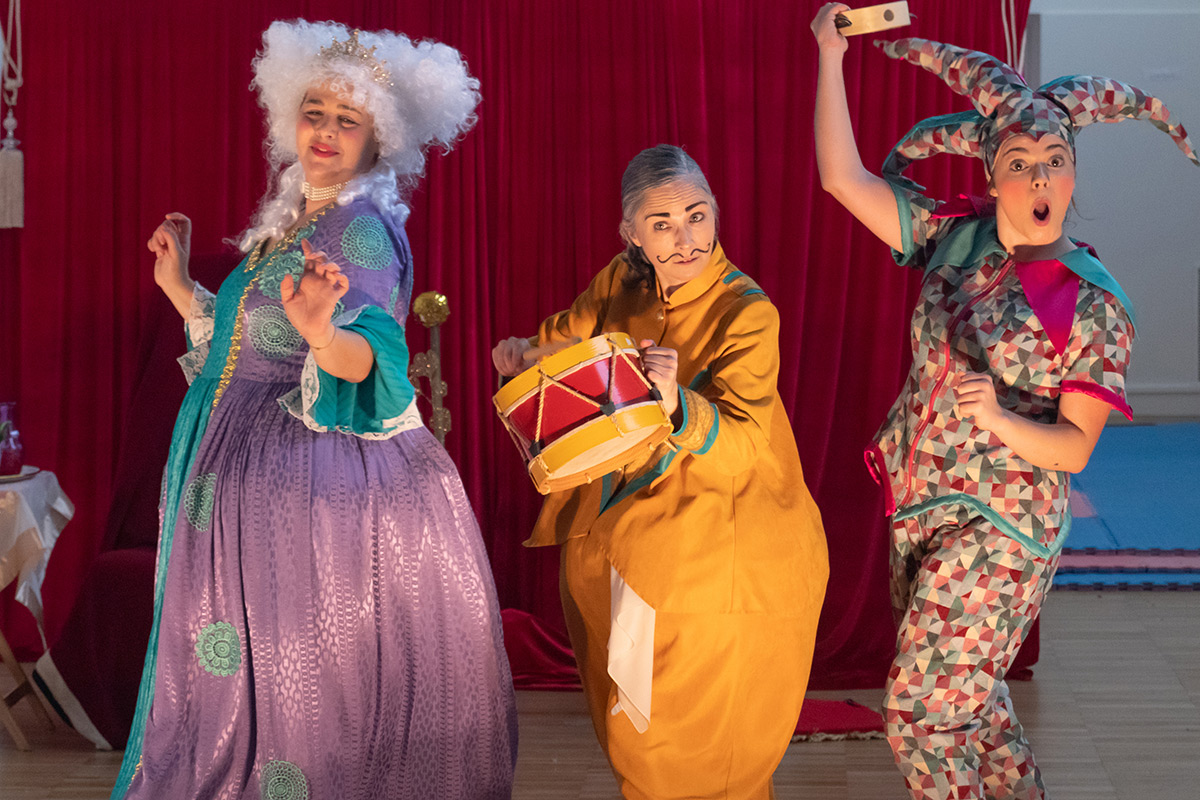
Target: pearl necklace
[{"x": 320, "y": 195}]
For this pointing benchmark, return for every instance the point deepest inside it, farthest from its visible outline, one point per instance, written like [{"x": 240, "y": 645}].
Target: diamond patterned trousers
[{"x": 966, "y": 595}]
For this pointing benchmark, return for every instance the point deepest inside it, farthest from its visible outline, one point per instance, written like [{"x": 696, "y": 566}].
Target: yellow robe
[{"x": 719, "y": 536}]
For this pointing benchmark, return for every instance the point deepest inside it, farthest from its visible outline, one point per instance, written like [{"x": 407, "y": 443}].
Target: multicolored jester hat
[{"x": 1006, "y": 106}]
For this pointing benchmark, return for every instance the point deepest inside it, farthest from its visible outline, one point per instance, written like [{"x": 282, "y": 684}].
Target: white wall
[
  {"x": 1105, "y": 6},
  {"x": 1140, "y": 196}
]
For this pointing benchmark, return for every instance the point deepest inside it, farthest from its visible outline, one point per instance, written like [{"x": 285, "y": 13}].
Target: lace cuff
[
  {"x": 201, "y": 316},
  {"x": 378, "y": 407},
  {"x": 193, "y": 360},
  {"x": 198, "y": 330}
]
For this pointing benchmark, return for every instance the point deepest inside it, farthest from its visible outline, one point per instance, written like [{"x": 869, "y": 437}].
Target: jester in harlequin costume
[{"x": 1021, "y": 340}]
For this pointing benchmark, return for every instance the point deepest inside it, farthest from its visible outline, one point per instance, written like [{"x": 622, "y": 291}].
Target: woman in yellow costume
[{"x": 692, "y": 579}]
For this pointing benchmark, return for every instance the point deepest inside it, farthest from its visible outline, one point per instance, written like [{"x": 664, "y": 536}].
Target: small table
[{"x": 33, "y": 512}]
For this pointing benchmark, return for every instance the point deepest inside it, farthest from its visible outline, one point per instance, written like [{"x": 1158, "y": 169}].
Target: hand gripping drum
[{"x": 583, "y": 412}]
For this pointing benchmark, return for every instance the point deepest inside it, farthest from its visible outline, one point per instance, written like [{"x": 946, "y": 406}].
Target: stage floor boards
[{"x": 1113, "y": 713}]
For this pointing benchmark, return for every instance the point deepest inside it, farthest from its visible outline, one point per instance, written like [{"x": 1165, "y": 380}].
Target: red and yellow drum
[{"x": 583, "y": 412}]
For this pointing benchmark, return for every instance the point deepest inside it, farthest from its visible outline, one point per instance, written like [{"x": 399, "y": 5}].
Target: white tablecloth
[{"x": 33, "y": 512}]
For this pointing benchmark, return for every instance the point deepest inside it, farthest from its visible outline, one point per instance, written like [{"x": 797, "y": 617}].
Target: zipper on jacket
[{"x": 943, "y": 373}]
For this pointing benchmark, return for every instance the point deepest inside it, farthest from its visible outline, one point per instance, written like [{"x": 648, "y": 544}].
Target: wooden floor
[{"x": 1113, "y": 713}]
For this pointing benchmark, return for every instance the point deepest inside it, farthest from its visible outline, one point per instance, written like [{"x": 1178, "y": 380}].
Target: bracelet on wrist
[{"x": 332, "y": 336}]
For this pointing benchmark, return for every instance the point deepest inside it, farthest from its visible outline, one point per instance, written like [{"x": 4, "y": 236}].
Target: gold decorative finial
[
  {"x": 352, "y": 49},
  {"x": 431, "y": 308}
]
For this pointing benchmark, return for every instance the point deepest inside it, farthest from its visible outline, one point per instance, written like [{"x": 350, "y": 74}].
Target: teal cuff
[
  {"x": 376, "y": 404},
  {"x": 904, "y": 209}
]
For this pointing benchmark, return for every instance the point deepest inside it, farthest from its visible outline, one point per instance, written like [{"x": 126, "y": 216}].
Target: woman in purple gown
[{"x": 325, "y": 622}]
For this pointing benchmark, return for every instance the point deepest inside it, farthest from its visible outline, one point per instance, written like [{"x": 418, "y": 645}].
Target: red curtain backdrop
[{"x": 134, "y": 108}]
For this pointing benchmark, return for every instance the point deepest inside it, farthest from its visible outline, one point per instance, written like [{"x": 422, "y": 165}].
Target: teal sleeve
[{"x": 373, "y": 407}]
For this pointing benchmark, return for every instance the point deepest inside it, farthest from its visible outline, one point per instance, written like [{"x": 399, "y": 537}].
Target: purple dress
[{"x": 326, "y": 624}]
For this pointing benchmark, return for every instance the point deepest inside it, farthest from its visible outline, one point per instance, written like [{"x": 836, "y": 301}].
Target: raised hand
[
  {"x": 826, "y": 32},
  {"x": 309, "y": 306},
  {"x": 171, "y": 244},
  {"x": 662, "y": 368}
]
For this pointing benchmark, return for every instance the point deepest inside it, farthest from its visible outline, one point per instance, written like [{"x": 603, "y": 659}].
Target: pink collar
[
  {"x": 1050, "y": 286},
  {"x": 1052, "y": 291}
]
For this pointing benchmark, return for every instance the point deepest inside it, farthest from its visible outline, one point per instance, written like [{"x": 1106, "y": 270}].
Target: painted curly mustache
[{"x": 682, "y": 257}]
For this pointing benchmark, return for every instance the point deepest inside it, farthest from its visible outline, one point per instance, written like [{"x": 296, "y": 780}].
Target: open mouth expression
[{"x": 1032, "y": 181}]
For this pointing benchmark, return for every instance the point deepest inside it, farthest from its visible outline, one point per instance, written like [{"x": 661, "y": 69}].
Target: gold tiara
[{"x": 352, "y": 49}]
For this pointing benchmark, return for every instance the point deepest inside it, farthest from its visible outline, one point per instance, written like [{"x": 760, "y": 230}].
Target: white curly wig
[{"x": 430, "y": 101}]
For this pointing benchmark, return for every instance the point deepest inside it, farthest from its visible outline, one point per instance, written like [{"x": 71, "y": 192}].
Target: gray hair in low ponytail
[{"x": 648, "y": 170}]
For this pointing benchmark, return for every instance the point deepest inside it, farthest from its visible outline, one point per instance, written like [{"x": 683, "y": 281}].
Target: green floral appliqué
[
  {"x": 306, "y": 231},
  {"x": 218, "y": 649},
  {"x": 278, "y": 267},
  {"x": 198, "y": 500},
  {"x": 365, "y": 242},
  {"x": 271, "y": 333},
  {"x": 283, "y": 780}
]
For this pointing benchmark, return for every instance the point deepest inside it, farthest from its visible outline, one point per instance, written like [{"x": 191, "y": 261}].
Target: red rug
[
  {"x": 542, "y": 660},
  {"x": 826, "y": 720}
]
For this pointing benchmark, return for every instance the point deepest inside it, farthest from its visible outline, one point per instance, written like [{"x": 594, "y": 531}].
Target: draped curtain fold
[{"x": 135, "y": 108}]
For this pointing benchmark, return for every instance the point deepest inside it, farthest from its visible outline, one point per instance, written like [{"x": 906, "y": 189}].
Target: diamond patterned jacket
[{"x": 1039, "y": 328}]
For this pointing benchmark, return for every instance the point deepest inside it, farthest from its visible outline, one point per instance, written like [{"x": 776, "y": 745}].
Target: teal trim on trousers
[{"x": 993, "y": 516}]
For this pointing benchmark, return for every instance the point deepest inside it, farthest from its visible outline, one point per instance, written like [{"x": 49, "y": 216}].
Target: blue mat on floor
[
  {"x": 1144, "y": 482},
  {"x": 1100, "y": 581},
  {"x": 1089, "y": 533}
]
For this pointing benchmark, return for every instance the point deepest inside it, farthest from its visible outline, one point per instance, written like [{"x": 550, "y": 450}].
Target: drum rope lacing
[{"x": 549, "y": 380}]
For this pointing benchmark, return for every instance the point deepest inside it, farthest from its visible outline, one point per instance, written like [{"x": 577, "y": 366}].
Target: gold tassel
[{"x": 12, "y": 178}]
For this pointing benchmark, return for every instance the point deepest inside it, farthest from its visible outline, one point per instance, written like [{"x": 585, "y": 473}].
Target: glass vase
[{"x": 10, "y": 442}]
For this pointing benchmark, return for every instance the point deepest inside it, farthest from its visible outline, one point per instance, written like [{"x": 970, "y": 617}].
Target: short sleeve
[
  {"x": 1098, "y": 356},
  {"x": 919, "y": 228}
]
